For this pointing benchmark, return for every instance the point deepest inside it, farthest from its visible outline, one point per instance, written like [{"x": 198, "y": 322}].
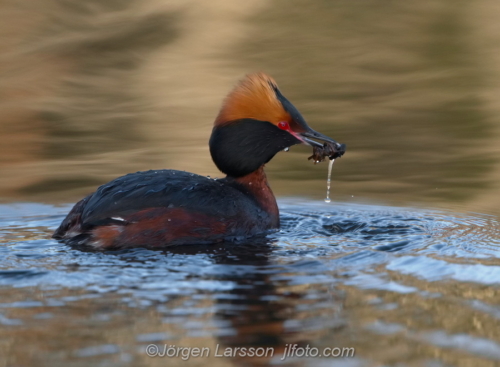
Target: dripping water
[{"x": 329, "y": 180}]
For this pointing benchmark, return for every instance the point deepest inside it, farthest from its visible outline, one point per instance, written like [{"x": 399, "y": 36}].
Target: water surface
[
  {"x": 91, "y": 91},
  {"x": 413, "y": 286},
  {"x": 403, "y": 265}
]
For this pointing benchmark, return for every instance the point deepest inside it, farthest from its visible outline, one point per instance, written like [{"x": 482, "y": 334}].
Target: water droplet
[
  {"x": 286, "y": 149},
  {"x": 328, "y": 181}
]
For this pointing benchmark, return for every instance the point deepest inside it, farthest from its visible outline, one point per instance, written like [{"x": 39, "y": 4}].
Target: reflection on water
[
  {"x": 96, "y": 89},
  {"x": 405, "y": 286}
]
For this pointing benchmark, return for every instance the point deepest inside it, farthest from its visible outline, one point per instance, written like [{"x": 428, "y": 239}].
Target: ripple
[
  {"x": 315, "y": 239},
  {"x": 432, "y": 270},
  {"x": 294, "y": 283}
]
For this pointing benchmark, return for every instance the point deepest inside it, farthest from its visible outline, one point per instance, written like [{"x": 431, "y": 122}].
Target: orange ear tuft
[{"x": 253, "y": 98}]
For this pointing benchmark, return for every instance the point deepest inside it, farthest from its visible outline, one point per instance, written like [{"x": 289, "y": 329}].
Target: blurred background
[{"x": 91, "y": 90}]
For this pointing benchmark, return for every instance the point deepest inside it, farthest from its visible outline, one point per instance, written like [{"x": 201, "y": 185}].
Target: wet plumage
[{"x": 168, "y": 207}]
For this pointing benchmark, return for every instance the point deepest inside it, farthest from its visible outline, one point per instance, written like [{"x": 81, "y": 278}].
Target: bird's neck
[
  {"x": 241, "y": 147},
  {"x": 256, "y": 185}
]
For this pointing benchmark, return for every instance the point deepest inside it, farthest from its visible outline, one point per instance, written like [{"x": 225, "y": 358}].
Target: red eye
[{"x": 283, "y": 125}]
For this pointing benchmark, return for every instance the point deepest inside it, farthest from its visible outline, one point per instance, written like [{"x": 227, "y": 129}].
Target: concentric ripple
[
  {"x": 328, "y": 267},
  {"x": 316, "y": 232}
]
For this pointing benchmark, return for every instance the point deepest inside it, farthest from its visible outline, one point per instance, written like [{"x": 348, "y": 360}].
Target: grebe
[{"x": 169, "y": 207}]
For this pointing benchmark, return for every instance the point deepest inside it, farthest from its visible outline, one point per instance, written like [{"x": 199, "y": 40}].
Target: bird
[{"x": 161, "y": 208}]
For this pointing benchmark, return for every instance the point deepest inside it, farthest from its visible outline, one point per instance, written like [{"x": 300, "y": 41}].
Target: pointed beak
[{"x": 310, "y": 136}]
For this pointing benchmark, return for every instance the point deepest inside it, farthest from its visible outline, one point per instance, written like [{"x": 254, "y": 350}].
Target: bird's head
[{"x": 255, "y": 122}]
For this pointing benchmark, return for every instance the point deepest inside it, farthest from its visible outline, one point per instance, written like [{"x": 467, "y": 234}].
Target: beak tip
[
  {"x": 342, "y": 148},
  {"x": 338, "y": 152}
]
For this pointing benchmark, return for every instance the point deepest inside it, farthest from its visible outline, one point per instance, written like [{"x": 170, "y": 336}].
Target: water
[
  {"x": 95, "y": 90},
  {"x": 424, "y": 282},
  {"x": 402, "y": 265},
  {"x": 329, "y": 180}
]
